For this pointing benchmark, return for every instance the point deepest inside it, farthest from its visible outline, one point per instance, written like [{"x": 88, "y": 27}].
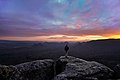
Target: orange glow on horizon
[{"x": 61, "y": 38}]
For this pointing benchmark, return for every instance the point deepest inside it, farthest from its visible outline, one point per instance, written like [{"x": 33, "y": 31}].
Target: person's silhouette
[{"x": 66, "y": 50}]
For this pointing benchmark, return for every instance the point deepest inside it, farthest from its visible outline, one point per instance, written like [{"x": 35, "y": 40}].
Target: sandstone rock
[
  {"x": 36, "y": 70},
  {"x": 72, "y": 68},
  {"x": 6, "y": 72}
]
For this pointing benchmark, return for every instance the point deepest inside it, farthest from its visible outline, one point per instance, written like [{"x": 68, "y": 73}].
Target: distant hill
[{"x": 104, "y": 51}]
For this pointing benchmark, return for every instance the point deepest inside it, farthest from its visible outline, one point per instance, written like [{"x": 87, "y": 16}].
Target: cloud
[
  {"x": 62, "y": 37},
  {"x": 55, "y": 17},
  {"x": 15, "y": 26}
]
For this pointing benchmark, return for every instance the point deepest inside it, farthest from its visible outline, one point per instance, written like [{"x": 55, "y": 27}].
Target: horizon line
[{"x": 60, "y": 41}]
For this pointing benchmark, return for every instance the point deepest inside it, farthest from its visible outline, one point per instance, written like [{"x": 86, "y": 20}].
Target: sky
[{"x": 59, "y": 20}]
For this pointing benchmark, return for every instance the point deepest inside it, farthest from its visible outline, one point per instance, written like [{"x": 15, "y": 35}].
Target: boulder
[
  {"x": 71, "y": 68},
  {"x": 35, "y": 70}
]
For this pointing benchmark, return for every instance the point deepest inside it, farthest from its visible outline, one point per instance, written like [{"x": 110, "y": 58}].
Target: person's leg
[{"x": 66, "y": 55}]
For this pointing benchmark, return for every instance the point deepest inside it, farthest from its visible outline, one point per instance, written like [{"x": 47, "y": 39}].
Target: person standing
[{"x": 66, "y": 48}]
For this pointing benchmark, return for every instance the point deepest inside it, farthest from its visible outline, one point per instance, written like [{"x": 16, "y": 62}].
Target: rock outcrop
[
  {"x": 66, "y": 68},
  {"x": 36, "y": 70},
  {"x": 72, "y": 68}
]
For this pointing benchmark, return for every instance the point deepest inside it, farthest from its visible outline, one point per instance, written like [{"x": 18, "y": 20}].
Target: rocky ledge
[
  {"x": 65, "y": 68},
  {"x": 36, "y": 70},
  {"x": 78, "y": 69}
]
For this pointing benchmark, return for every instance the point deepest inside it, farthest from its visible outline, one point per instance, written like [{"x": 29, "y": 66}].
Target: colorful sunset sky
[{"x": 59, "y": 20}]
